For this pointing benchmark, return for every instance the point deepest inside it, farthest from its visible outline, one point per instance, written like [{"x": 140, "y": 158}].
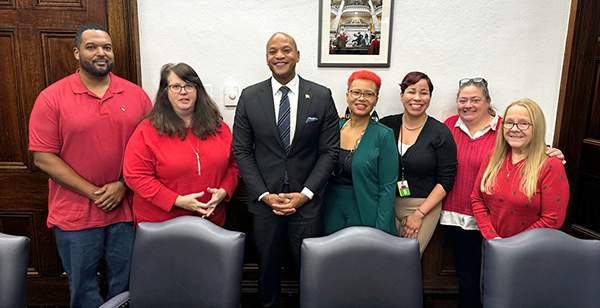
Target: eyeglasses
[
  {"x": 465, "y": 81},
  {"x": 357, "y": 94},
  {"x": 520, "y": 125},
  {"x": 176, "y": 88}
]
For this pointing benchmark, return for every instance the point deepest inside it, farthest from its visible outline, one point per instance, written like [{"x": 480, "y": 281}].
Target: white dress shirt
[{"x": 292, "y": 96}]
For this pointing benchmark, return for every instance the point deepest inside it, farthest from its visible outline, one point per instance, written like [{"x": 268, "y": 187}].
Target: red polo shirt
[{"x": 89, "y": 134}]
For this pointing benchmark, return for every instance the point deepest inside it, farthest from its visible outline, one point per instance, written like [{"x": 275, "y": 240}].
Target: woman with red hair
[{"x": 362, "y": 190}]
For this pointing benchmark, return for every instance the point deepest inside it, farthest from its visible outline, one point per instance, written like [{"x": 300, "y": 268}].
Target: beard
[{"x": 89, "y": 67}]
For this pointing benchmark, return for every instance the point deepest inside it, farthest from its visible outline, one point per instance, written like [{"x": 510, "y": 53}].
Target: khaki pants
[{"x": 406, "y": 206}]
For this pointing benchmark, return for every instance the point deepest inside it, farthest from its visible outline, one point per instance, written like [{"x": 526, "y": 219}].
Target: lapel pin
[{"x": 307, "y": 98}]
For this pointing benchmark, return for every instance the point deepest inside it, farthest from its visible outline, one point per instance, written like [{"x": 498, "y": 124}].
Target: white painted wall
[{"x": 516, "y": 45}]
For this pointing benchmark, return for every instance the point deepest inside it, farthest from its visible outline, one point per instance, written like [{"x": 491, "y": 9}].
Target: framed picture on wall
[{"x": 355, "y": 33}]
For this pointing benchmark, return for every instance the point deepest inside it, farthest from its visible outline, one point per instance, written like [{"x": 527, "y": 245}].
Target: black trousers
[
  {"x": 466, "y": 245},
  {"x": 273, "y": 235}
]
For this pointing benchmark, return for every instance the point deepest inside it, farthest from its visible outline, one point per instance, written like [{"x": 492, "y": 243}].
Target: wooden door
[
  {"x": 578, "y": 129},
  {"x": 36, "y": 49}
]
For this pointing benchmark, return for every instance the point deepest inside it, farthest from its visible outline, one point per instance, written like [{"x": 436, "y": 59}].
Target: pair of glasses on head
[
  {"x": 366, "y": 94},
  {"x": 520, "y": 125},
  {"x": 176, "y": 88},
  {"x": 479, "y": 80}
]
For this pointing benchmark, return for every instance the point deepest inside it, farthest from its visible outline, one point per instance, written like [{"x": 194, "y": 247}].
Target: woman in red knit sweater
[
  {"x": 520, "y": 188},
  {"x": 179, "y": 161}
]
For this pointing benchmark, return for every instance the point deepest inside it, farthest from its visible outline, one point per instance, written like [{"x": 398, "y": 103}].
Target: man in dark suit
[{"x": 286, "y": 140}]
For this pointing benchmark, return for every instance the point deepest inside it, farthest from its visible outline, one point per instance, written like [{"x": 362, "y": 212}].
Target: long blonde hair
[{"x": 535, "y": 157}]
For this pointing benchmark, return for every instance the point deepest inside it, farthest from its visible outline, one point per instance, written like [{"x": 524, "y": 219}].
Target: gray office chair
[
  {"x": 360, "y": 267},
  {"x": 541, "y": 268},
  {"x": 14, "y": 255},
  {"x": 184, "y": 262}
]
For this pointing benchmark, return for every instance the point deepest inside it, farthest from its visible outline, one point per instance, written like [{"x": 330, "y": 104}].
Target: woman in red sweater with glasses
[
  {"x": 519, "y": 188},
  {"x": 178, "y": 161}
]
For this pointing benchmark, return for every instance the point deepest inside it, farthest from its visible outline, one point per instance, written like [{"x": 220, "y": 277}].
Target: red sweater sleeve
[
  {"x": 230, "y": 179},
  {"x": 480, "y": 210},
  {"x": 139, "y": 171},
  {"x": 554, "y": 195}
]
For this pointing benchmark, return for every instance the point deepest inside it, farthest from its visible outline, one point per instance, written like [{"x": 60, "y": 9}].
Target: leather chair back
[
  {"x": 14, "y": 256},
  {"x": 541, "y": 268},
  {"x": 186, "y": 262},
  {"x": 360, "y": 267}
]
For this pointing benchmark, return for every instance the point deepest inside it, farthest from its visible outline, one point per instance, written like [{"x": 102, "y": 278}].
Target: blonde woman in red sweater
[
  {"x": 474, "y": 129},
  {"x": 520, "y": 188}
]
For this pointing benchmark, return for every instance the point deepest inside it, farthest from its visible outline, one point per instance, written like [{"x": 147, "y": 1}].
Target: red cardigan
[
  {"x": 158, "y": 168},
  {"x": 507, "y": 211}
]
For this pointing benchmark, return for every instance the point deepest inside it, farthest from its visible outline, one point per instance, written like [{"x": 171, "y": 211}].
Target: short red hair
[{"x": 365, "y": 74}]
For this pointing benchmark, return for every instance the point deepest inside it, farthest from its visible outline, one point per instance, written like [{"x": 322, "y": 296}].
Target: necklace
[
  {"x": 412, "y": 128},
  {"x": 359, "y": 137},
  {"x": 197, "y": 154},
  {"x": 513, "y": 168},
  {"x": 197, "y": 160}
]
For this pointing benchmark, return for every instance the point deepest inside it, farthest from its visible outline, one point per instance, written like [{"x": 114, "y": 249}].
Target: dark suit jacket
[{"x": 261, "y": 156}]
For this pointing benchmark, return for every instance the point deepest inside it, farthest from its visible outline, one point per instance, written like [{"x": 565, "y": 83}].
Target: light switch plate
[{"x": 230, "y": 95}]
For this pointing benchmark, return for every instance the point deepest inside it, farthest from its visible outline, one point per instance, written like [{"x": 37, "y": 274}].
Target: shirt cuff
[
  {"x": 307, "y": 193},
  {"x": 263, "y": 195}
]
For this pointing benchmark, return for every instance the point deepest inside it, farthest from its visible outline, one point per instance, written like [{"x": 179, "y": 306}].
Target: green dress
[{"x": 369, "y": 201}]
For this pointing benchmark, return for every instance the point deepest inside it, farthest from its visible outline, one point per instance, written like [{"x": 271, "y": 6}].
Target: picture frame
[{"x": 355, "y": 33}]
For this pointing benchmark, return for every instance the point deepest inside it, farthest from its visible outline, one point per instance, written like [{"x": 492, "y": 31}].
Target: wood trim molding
[
  {"x": 565, "y": 78},
  {"x": 122, "y": 24}
]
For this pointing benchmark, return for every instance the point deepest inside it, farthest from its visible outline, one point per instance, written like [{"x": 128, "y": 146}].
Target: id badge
[{"x": 403, "y": 188}]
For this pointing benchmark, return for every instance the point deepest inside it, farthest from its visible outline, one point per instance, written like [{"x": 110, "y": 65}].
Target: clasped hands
[
  {"x": 109, "y": 196},
  {"x": 189, "y": 202},
  {"x": 284, "y": 204},
  {"x": 412, "y": 224}
]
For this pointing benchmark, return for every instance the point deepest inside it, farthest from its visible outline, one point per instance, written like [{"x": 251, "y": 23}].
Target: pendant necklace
[
  {"x": 197, "y": 154},
  {"x": 190, "y": 136},
  {"x": 359, "y": 137},
  {"x": 512, "y": 168},
  {"x": 197, "y": 160}
]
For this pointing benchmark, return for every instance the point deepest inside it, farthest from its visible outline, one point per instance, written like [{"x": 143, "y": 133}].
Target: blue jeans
[{"x": 81, "y": 252}]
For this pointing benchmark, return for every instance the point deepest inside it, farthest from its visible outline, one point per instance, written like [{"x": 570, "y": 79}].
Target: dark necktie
[{"x": 283, "y": 123}]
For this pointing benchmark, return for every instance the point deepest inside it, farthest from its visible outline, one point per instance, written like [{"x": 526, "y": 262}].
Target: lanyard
[
  {"x": 401, "y": 143},
  {"x": 401, "y": 157}
]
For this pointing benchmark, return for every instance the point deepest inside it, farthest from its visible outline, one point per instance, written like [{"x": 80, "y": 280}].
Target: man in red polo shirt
[{"x": 78, "y": 131}]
